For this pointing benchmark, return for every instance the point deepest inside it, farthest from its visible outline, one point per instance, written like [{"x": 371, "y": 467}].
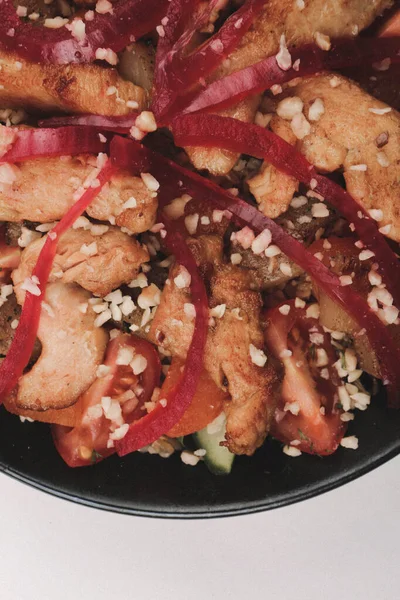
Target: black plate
[{"x": 149, "y": 485}]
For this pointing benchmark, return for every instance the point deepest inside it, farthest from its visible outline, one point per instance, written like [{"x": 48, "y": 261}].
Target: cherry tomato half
[
  {"x": 86, "y": 443},
  {"x": 310, "y": 384}
]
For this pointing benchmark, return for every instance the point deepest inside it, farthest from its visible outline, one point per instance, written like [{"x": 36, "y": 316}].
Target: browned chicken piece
[
  {"x": 253, "y": 389},
  {"x": 43, "y": 191},
  {"x": 129, "y": 201},
  {"x": 72, "y": 349},
  {"x": 299, "y": 22},
  {"x": 273, "y": 189},
  {"x": 67, "y": 88},
  {"x": 172, "y": 329},
  {"x": 227, "y": 358},
  {"x": 99, "y": 264},
  {"x": 352, "y": 131}
]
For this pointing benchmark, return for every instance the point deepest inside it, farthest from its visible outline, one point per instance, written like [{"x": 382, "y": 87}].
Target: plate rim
[{"x": 246, "y": 508}]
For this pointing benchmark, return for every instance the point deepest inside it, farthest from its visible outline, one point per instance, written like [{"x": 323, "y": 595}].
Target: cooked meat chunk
[
  {"x": 273, "y": 189},
  {"x": 227, "y": 356},
  {"x": 253, "y": 389},
  {"x": 72, "y": 349},
  {"x": 334, "y": 18},
  {"x": 97, "y": 263},
  {"x": 123, "y": 189},
  {"x": 68, "y": 88},
  {"x": 299, "y": 25},
  {"x": 43, "y": 191},
  {"x": 348, "y": 135},
  {"x": 171, "y": 328}
]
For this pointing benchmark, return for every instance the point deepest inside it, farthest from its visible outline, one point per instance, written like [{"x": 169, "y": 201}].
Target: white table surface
[{"x": 342, "y": 545}]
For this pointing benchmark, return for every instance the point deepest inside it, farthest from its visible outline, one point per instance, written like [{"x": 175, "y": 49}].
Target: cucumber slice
[{"x": 218, "y": 458}]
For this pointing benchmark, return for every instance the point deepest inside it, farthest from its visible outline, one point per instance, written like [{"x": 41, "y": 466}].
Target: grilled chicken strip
[
  {"x": 299, "y": 22},
  {"x": 353, "y": 132},
  {"x": 98, "y": 263},
  {"x": 43, "y": 191},
  {"x": 253, "y": 389},
  {"x": 72, "y": 349},
  {"x": 67, "y": 88}
]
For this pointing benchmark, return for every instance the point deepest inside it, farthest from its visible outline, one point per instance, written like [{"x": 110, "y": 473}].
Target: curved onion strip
[
  {"x": 175, "y": 180},
  {"x": 129, "y": 20},
  {"x": 188, "y": 70},
  {"x": 177, "y": 15},
  {"x": 117, "y": 124},
  {"x": 35, "y": 143},
  {"x": 200, "y": 20},
  {"x": 179, "y": 72},
  {"x": 231, "y": 134},
  {"x": 160, "y": 420},
  {"x": 263, "y": 75},
  {"x": 24, "y": 339}
]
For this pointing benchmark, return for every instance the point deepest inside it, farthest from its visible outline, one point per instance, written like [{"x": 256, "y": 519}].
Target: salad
[{"x": 199, "y": 223}]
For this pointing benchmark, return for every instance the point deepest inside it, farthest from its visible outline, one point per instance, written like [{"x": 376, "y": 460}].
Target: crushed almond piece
[
  {"x": 191, "y": 223},
  {"x": 283, "y": 58},
  {"x": 350, "y": 442},
  {"x": 289, "y": 108},
  {"x": 323, "y": 41},
  {"x": 316, "y": 110},
  {"x": 300, "y": 126},
  {"x": 257, "y": 356},
  {"x": 291, "y": 451},
  {"x": 183, "y": 279}
]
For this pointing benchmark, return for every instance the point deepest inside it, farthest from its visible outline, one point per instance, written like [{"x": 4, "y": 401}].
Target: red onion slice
[
  {"x": 64, "y": 141},
  {"x": 129, "y": 20}
]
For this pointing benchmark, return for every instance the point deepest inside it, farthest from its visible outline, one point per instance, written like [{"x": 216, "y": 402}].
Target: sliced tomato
[
  {"x": 86, "y": 443},
  {"x": 206, "y": 405},
  {"x": 313, "y": 390}
]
